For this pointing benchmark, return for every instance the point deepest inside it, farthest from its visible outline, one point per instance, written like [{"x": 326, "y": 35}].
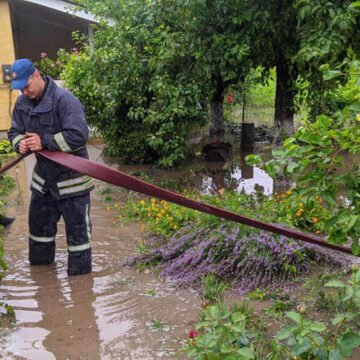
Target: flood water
[
  {"x": 116, "y": 312},
  {"x": 113, "y": 313}
]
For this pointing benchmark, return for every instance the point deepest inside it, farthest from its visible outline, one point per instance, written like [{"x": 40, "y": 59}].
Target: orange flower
[
  {"x": 288, "y": 192},
  {"x": 282, "y": 195},
  {"x": 298, "y": 213},
  {"x": 315, "y": 219}
]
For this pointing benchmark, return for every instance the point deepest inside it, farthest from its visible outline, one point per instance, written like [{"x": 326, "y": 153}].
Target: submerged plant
[{"x": 233, "y": 252}]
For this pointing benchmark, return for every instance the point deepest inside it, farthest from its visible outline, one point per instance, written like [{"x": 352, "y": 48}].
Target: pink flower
[
  {"x": 230, "y": 98},
  {"x": 204, "y": 303},
  {"x": 52, "y": 65},
  {"x": 193, "y": 334},
  {"x": 58, "y": 63},
  {"x": 75, "y": 50},
  {"x": 43, "y": 54}
]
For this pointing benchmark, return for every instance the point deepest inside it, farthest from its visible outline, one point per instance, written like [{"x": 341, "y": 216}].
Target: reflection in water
[
  {"x": 72, "y": 333},
  {"x": 52, "y": 313},
  {"x": 241, "y": 179}
]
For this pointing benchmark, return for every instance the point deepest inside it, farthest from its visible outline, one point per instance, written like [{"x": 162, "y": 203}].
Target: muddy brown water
[{"x": 113, "y": 313}]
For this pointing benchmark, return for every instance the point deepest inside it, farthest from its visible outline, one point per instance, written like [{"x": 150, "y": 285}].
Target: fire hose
[{"x": 118, "y": 178}]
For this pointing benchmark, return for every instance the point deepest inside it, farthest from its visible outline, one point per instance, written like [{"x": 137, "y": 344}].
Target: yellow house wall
[{"x": 7, "y": 56}]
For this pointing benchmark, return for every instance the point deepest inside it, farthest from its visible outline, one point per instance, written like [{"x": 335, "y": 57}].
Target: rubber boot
[{"x": 5, "y": 220}]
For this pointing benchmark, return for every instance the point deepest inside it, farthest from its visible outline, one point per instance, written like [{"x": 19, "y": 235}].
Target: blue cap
[{"x": 20, "y": 72}]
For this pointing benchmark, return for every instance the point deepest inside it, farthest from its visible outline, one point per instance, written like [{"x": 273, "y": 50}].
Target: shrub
[
  {"x": 316, "y": 158},
  {"x": 54, "y": 67},
  {"x": 222, "y": 334},
  {"x": 133, "y": 89}
]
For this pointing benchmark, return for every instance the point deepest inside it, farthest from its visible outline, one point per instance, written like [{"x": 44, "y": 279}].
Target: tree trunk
[
  {"x": 217, "y": 123},
  {"x": 284, "y": 99}
]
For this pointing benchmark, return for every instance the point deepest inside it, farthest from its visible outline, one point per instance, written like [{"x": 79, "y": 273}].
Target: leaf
[
  {"x": 243, "y": 340},
  {"x": 203, "y": 324},
  {"x": 348, "y": 342},
  {"x": 212, "y": 355},
  {"x": 253, "y": 159},
  {"x": 332, "y": 74},
  {"x": 355, "y": 106},
  {"x": 294, "y": 316},
  {"x": 299, "y": 349},
  {"x": 328, "y": 197},
  {"x": 225, "y": 349},
  {"x": 317, "y": 326},
  {"x": 291, "y": 167},
  {"x": 355, "y": 4},
  {"x": 355, "y": 247},
  {"x": 246, "y": 353},
  {"x": 335, "y": 283},
  {"x": 237, "y": 316},
  {"x": 284, "y": 332},
  {"x": 337, "y": 319},
  {"x": 3, "y": 264},
  {"x": 288, "y": 141},
  {"x": 237, "y": 329},
  {"x": 351, "y": 222},
  {"x": 334, "y": 354},
  {"x": 277, "y": 152},
  {"x": 349, "y": 293}
]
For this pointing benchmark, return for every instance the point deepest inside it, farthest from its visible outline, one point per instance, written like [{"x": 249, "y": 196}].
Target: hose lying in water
[{"x": 119, "y": 178}]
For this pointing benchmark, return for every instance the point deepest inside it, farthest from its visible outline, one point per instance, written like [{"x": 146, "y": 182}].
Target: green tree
[
  {"x": 296, "y": 37},
  {"x": 220, "y": 49}
]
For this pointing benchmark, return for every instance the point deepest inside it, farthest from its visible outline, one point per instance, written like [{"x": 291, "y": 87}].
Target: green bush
[
  {"x": 222, "y": 334},
  {"x": 133, "y": 90},
  {"x": 54, "y": 67},
  {"x": 316, "y": 157}
]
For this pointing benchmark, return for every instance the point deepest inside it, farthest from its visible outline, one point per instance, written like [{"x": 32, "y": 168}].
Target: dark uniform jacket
[{"x": 60, "y": 121}]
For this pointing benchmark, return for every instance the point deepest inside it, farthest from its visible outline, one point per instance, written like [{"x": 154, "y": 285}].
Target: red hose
[{"x": 119, "y": 178}]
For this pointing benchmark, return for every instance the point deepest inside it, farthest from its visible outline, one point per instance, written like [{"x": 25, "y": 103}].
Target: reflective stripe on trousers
[{"x": 44, "y": 214}]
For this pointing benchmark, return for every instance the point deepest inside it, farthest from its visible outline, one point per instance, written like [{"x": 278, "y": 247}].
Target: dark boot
[
  {"x": 41, "y": 253},
  {"x": 5, "y": 220},
  {"x": 79, "y": 262}
]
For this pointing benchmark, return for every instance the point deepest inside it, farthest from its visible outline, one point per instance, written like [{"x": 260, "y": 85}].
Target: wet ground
[{"x": 113, "y": 313}]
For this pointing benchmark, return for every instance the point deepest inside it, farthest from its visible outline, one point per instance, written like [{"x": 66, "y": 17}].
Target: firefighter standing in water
[{"x": 48, "y": 117}]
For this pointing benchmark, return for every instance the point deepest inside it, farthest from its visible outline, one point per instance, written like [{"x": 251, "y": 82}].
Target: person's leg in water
[
  {"x": 44, "y": 214},
  {"x": 76, "y": 214}
]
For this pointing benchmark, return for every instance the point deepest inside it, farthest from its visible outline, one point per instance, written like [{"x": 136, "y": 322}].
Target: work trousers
[{"x": 44, "y": 214}]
